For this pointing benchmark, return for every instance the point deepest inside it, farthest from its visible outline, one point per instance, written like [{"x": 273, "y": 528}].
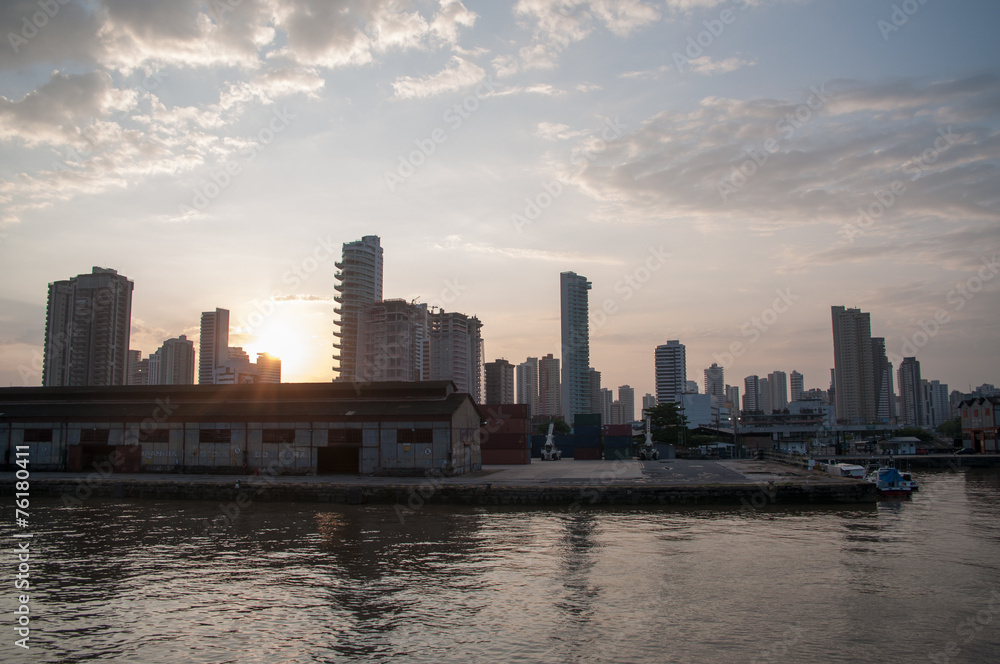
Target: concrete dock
[{"x": 564, "y": 482}]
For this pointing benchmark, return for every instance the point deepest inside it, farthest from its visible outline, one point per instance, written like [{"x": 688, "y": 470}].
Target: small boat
[
  {"x": 889, "y": 482},
  {"x": 908, "y": 477}
]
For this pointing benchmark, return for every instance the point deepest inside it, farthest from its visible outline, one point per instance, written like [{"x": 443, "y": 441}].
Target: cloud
[
  {"x": 302, "y": 298},
  {"x": 774, "y": 164},
  {"x": 705, "y": 65},
  {"x": 55, "y": 112},
  {"x": 460, "y": 74},
  {"x": 556, "y": 24},
  {"x": 455, "y": 243}
]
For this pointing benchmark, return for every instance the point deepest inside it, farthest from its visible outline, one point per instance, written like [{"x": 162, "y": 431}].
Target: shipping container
[
  {"x": 587, "y": 419},
  {"x": 618, "y": 430},
  {"x": 587, "y": 453},
  {"x": 504, "y": 441},
  {"x": 506, "y": 457}
]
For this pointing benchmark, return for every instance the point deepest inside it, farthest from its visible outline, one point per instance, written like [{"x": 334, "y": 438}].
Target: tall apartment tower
[
  {"x": 575, "y": 345},
  {"x": 87, "y": 325},
  {"x": 499, "y": 376},
  {"x": 136, "y": 368},
  {"x": 527, "y": 384},
  {"x": 764, "y": 395},
  {"x": 751, "y": 392},
  {"x": 854, "y": 374},
  {"x": 359, "y": 274},
  {"x": 671, "y": 371},
  {"x": 549, "y": 392},
  {"x": 715, "y": 382},
  {"x": 885, "y": 398},
  {"x": 777, "y": 384},
  {"x": 648, "y": 401},
  {"x": 910, "y": 393},
  {"x": 393, "y": 341},
  {"x": 456, "y": 351},
  {"x": 268, "y": 368},
  {"x": 607, "y": 405},
  {"x": 937, "y": 409},
  {"x": 797, "y": 385},
  {"x": 213, "y": 345},
  {"x": 175, "y": 362},
  {"x": 596, "y": 400},
  {"x": 626, "y": 396}
]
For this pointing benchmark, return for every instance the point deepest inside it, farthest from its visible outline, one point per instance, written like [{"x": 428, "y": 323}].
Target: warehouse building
[{"x": 390, "y": 428}]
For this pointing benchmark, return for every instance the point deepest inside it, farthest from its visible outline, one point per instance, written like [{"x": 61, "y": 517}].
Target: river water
[{"x": 143, "y": 581}]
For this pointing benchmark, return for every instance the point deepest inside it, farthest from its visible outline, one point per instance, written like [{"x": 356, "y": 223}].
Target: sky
[{"x": 723, "y": 172}]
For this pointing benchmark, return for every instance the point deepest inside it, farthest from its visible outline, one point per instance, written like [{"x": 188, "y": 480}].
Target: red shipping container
[
  {"x": 618, "y": 430},
  {"x": 504, "y": 441},
  {"x": 587, "y": 453},
  {"x": 506, "y": 457}
]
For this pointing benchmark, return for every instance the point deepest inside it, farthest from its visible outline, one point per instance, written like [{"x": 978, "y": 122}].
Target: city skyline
[{"x": 492, "y": 149}]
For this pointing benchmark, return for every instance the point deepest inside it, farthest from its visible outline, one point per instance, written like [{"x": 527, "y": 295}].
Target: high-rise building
[
  {"x": 392, "y": 341},
  {"x": 549, "y": 392},
  {"x": 732, "y": 400},
  {"x": 764, "y": 395},
  {"x": 617, "y": 413},
  {"x": 359, "y": 274},
  {"x": 751, "y": 394},
  {"x": 626, "y": 396},
  {"x": 268, "y": 368},
  {"x": 137, "y": 368},
  {"x": 499, "y": 382},
  {"x": 937, "y": 409},
  {"x": 87, "y": 324},
  {"x": 607, "y": 404},
  {"x": 853, "y": 367},
  {"x": 174, "y": 362},
  {"x": 671, "y": 371},
  {"x": 456, "y": 351},
  {"x": 237, "y": 369},
  {"x": 911, "y": 413},
  {"x": 573, "y": 290},
  {"x": 715, "y": 382},
  {"x": 596, "y": 400},
  {"x": 213, "y": 344},
  {"x": 885, "y": 398},
  {"x": 777, "y": 384},
  {"x": 797, "y": 385},
  {"x": 648, "y": 401},
  {"x": 527, "y": 384}
]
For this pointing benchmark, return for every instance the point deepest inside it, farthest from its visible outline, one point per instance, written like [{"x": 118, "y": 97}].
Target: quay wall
[{"x": 435, "y": 491}]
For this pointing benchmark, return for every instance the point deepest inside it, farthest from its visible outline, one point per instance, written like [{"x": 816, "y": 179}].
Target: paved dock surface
[{"x": 565, "y": 472}]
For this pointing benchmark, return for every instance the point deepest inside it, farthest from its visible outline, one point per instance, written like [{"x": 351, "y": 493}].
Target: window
[
  {"x": 94, "y": 436},
  {"x": 343, "y": 436},
  {"x": 38, "y": 435},
  {"x": 214, "y": 435},
  {"x": 415, "y": 436},
  {"x": 279, "y": 436},
  {"x": 154, "y": 436}
]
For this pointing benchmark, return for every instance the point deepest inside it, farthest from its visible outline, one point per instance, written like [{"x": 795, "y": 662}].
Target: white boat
[
  {"x": 846, "y": 470},
  {"x": 889, "y": 482},
  {"x": 908, "y": 477}
]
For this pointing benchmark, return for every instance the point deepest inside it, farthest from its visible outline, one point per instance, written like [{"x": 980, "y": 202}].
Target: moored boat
[{"x": 889, "y": 482}]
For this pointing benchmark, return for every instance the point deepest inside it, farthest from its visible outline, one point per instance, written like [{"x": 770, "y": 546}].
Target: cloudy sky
[{"x": 723, "y": 171}]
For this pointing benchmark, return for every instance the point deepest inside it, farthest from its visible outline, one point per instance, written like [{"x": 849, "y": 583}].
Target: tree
[
  {"x": 667, "y": 421},
  {"x": 951, "y": 429}
]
